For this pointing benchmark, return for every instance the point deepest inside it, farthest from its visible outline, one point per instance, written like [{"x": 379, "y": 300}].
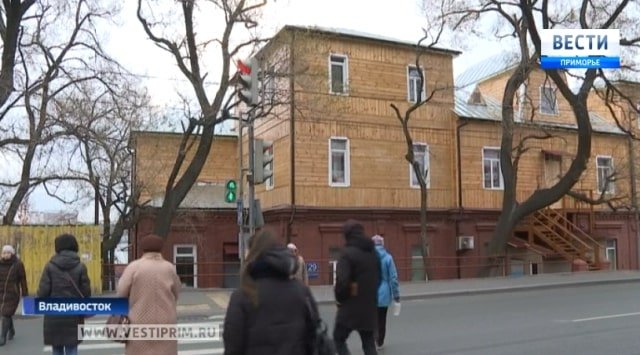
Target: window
[
  {"x": 338, "y": 74},
  {"x": 421, "y": 155},
  {"x": 269, "y": 182},
  {"x": 610, "y": 252},
  {"x": 548, "y": 101},
  {"x": 413, "y": 81},
  {"x": 417, "y": 264},
  {"x": 604, "y": 167},
  {"x": 491, "y": 168},
  {"x": 185, "y": 260},
  {"x": 339, "y": 162},
  {"x": 269, "y": 91}
]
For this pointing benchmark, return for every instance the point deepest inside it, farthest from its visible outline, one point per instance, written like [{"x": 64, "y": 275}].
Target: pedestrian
[
  {"x": 301, "y": 273},
  {"x": 64, "y": 276},
  {"x": 389, "y": 288},
  {"x": 13, "y": 280},
  {"x": 356, "y": 289},
  {"x": 270, "y": 313},
  {"x": 152, "y": 285}
]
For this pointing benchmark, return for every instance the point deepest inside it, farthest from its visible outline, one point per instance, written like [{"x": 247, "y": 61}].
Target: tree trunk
[
  {"x": 497, "y": 247},
  {"x": 23, "y": 187},
  {"x": 424, "y": 238},
  {"x": 174, "y": 196}
]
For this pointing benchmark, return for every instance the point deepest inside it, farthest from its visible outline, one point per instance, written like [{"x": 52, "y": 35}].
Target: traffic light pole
[
  {"x": 240, "y": 196},
  {"x": 252, "y": 191}
]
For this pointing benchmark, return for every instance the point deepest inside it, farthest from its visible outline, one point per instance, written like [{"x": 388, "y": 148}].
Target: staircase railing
[{"x": 585, "y": 246}]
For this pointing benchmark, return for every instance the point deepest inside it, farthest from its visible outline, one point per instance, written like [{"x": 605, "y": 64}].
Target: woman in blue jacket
[{"x": 388, "y": 289}]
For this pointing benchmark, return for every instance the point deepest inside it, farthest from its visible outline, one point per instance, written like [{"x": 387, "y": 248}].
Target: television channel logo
[{"x": 580, "y": 49}]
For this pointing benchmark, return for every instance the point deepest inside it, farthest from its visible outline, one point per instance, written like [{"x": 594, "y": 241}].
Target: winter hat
[
  {"x": 353, "y": 229},
  {"x": 9, "y": 249},
  {"x": 377, "y": 239},
  {"x": 66, "y": 242},
  {"x": 151, "y": 243},
  {"x": 292, "y": 246}
]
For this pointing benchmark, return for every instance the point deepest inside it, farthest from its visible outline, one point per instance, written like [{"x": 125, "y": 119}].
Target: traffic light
[
  {"x": 262, "y": 159},
  {"x": 249, "y": 82},
  {"x": 230, "y": 194}
]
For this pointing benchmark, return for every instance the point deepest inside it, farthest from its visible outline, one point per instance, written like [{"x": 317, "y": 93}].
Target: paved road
[{"x": 599, "y": 319}]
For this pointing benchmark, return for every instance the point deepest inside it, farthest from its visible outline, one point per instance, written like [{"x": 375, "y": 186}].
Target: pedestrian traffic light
[
  {"x": 249, "y": 92},
  {"x": 230, "y": 194},
  {"x": 263, "y": 157}
]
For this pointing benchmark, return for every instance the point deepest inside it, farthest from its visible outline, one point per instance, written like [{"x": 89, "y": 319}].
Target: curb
[{"x": 505, "y": 289}]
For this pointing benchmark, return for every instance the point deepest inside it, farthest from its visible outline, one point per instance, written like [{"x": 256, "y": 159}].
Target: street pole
[
  {"x": 252, "y": 192},
  {"x": 240, "y": 196}
]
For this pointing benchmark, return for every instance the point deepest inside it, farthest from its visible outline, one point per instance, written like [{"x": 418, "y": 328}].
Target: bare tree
[
  {"x": 420, "y": 171},
  {"x": 100, "y": 120},
  {"x": 13, "y": 12},
  {"x": 51, "y": 66},
  {"x": 524, "y": 20},
  {"x": 188, "y": 52}
]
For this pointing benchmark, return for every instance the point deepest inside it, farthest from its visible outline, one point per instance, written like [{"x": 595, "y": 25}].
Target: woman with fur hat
[
  {"x": 64, "y": 276},
  {"x": 151, "y": 284},
  {"x": 13, "y": 283}
]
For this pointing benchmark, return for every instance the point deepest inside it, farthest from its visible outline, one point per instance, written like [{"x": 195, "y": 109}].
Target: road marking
[
  {"x": 217, "y": 316},
  {"x": 607, "y": 317},
  {"x": 221, "y": 298},
  {"x": 198, "y": 352},
  {"x": 114, "y": 345}
]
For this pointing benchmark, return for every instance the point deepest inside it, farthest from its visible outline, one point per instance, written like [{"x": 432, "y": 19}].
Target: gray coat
[{"x": 56, "y": 282}]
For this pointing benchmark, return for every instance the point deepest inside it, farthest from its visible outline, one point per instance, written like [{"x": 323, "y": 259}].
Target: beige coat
[
  {"x": 301, "y": 273},
  {"x": 152, "y": 285}
]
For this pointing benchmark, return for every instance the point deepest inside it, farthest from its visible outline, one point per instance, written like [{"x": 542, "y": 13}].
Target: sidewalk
[{"x": 208, "y": 302}]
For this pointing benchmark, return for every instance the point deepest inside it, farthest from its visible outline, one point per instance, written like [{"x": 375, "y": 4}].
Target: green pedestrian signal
[{"x": 230, "y": 194}]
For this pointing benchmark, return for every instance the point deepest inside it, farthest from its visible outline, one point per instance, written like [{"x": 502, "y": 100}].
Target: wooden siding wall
[
  {"x": 477, "y": 135},
  {"x": 156, "y": 154},
  {"x": 379, "y": 173}
]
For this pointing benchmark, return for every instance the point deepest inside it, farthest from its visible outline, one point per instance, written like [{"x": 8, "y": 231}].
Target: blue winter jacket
[{"x": 389, "y": 288}]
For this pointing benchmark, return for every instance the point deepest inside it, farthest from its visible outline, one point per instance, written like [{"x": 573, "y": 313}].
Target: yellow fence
[{"x": 35, "y": 246}]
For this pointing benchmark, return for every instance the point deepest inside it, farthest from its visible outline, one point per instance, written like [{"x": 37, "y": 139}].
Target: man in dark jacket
[
  {"x": 356, "y": 290},
  {"x": 64, "y": 276}
]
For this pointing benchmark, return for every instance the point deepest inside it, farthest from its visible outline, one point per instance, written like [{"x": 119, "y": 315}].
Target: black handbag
[{"x": 322, "y": 343}]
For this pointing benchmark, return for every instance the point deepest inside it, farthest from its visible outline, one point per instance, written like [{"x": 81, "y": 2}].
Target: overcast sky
[{"x": 127, "y": 42}]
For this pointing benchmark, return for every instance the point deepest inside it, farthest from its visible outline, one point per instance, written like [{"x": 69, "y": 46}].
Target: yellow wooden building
[{"x": 339, "y": 152}]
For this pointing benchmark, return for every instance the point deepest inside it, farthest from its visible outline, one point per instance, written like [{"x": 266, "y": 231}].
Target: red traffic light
[{"x": 243, "y": 68}]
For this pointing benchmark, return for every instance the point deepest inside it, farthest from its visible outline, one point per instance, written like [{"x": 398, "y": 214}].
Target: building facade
[{"x": 339, "y": 152}]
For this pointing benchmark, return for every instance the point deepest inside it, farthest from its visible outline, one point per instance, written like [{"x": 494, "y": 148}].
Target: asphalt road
[{"x": 602, "y": 319}]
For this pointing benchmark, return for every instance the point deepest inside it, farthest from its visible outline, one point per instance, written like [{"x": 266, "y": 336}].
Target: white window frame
[
  {"x": 427, "y": 165},
  {"x": 612, "y": 184},
  {"x": 345, "y": 72},
  {"x": 557, "y": 109},
  {"x": 195, "y": 259},
  {"x": 501, "y": 187},
  {"x": 424, "y": 83},
  {"x": 269, "y": 183},
  {"x": 347, "y": 163},
  {"x": 614, "y": 248}
]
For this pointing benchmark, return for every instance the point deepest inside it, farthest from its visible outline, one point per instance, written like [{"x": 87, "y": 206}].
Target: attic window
[{"x": 476, "y": 98}]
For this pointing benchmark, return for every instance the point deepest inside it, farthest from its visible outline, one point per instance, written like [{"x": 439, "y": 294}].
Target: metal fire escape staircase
[{"x": 566, "y": 238}]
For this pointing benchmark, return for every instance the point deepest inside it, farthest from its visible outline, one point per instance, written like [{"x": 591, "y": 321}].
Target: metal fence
[{"x": 322, "y": 271}]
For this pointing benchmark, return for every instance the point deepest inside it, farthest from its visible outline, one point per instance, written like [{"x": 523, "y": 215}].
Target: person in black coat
[
  {"x": 13, "y": 286},
  {"x": 64, "y": 276},
  {"x": 356, "y": 290},
  {"x": 270, "y": 313}
]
